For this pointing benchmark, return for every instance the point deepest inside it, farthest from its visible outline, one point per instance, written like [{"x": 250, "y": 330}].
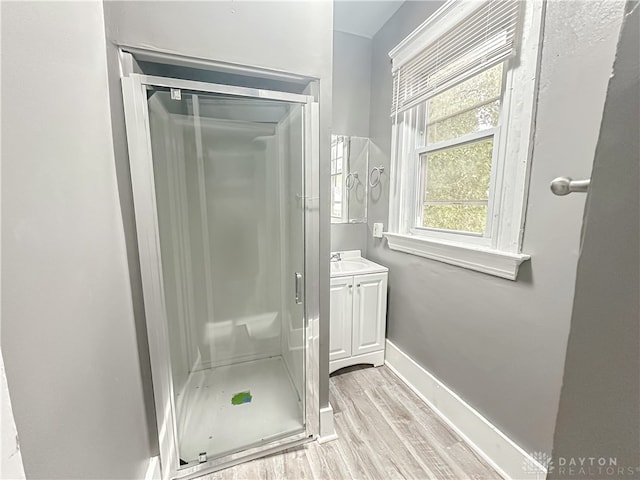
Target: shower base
[{"x": 215, "y": 426}]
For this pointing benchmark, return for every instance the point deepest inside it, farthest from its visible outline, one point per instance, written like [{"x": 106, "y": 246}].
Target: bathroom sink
[{"x": 351, "y": 263}]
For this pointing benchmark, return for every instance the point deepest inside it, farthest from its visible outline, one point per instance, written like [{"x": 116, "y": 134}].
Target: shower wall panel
[{"x": 244, "y": 323}]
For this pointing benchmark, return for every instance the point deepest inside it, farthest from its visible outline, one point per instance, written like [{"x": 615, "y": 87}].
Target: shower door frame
[{"x": 134, "y": 89}]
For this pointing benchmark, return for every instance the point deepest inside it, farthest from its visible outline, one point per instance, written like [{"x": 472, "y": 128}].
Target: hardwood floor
[{"x": 385, "y": 432}]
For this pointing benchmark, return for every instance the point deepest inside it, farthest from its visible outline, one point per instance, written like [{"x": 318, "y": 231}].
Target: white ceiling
[{"x": 363, "y": 18}]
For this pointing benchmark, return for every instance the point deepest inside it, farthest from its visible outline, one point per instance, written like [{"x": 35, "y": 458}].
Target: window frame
[
  {"x": 472, "y": 237},
  {"x": 498, "y": 252},
  {"x": 488, "y": 237}
]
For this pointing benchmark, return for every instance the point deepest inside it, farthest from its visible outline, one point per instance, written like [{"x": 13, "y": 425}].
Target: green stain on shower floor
[{"x": 242, "y": 397}]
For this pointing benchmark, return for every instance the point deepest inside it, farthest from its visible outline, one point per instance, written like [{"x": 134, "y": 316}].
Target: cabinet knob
[
  {"x": 350, "y": 286},
  {"x": 358, "y": 285}
]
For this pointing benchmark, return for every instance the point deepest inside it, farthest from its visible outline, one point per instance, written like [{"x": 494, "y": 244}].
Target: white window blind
[{"x": 482, "y": 39}]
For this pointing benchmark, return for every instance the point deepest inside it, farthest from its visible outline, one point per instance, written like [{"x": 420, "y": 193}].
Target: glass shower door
[{"x": 228, "y": 175}]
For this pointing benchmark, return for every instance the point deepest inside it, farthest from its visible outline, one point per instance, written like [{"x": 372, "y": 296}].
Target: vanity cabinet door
[
  {"x": 341, "y": 297},
  {"x": 369, "y": 313}
]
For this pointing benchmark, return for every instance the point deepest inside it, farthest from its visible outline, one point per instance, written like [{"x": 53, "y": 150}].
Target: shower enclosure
[{"x": 227, "y": 231}]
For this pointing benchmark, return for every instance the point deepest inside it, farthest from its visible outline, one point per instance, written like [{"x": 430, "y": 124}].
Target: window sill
[{"x": 481, "y": 259}]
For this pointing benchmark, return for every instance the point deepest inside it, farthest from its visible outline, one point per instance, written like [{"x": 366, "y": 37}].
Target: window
[
  {"x": 462, "y": 113},
  {"x": 455, "y": 165}
]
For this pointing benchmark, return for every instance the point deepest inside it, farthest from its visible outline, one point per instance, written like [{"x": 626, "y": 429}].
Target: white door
[
  {"x": 599, "y": 409},
  {"x": 341, "y": 297},
  {"x": 369, "y": 313}
]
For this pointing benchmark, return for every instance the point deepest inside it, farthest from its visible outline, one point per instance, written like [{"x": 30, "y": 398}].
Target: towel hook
[{"x": 374, "y": 180}]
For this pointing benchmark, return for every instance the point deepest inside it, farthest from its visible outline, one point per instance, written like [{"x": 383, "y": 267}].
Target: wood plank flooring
[{"x": 385, "y": 432}]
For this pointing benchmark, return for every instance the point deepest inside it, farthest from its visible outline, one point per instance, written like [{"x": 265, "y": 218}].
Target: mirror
[{"x": 349, "y": 173}]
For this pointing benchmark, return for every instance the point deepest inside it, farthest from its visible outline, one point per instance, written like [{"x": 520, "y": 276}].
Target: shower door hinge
[
  {"x": 202, "y": 457},
  {"x": 176, "y": 94}
]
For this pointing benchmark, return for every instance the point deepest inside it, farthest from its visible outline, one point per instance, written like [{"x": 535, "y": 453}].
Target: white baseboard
[
  {"x": 153, "y": 470},
  {"x": 327, "y": 427},
  {"x": 502, "y": 453}
]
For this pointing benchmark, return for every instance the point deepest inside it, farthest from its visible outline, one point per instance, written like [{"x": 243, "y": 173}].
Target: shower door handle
[{"x": 298, "y": 288}]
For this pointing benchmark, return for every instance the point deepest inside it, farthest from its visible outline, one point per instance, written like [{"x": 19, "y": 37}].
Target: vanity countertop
[{"x": 352, "y": 263}]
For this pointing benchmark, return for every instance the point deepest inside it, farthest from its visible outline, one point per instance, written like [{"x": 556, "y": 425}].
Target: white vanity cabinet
[
  {"x": 341, "y": 315},
  {"x": 358, "y": 316}
]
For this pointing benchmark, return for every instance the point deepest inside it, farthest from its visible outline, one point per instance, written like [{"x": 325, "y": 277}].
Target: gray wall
[
  {"x": 351, "y": 97},
  {"x": 351, "y": 84},
  {"x": 349, "y": 236},
  {"x": 274, "y": 35},
  {"x": 501, "y": 344},
  {"x": 68, "y": 335},
  {"x": 599, "y": 413}
]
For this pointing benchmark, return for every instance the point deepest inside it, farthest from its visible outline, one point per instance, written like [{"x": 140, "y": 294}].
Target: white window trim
[
  {"x": 472, "y": 257},
  {"x": 501, "y": 256}
]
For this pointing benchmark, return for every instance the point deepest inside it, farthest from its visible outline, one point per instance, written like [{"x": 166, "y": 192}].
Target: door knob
[{"x": 567, "y": 185}]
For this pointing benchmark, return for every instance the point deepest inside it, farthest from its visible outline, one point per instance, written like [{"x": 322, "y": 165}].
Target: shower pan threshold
[{"x": 216, "y": 426}]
